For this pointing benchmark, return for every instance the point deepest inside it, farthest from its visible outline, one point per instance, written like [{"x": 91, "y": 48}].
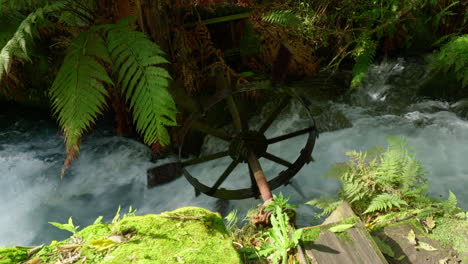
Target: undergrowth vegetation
[
  {"x": 357, "y": 30},
  {"x": 385, "y": 186},
  {"x": 275, "y": 243}
]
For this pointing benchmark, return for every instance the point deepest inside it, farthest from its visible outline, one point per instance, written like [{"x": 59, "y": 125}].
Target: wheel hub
[{"x": 245, "y": 142}]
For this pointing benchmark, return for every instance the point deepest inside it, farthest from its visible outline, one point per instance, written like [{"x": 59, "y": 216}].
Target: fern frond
[
  {"x": 453, "y": 56},
  {"x": 326, "y": 204},
  {"x": 78, "y": 94},
  {"x": 450, "y": 205},
  {"x": 285, "y": 18},
  {"x": 384, "y": 202},
  {"x": 26, "y": 32},
  {"x": 21, "y": 5},
  {"x": 143, "y": 81},
  {"x": 77, "y": 13},
  {"x": 364, "y": 54}
]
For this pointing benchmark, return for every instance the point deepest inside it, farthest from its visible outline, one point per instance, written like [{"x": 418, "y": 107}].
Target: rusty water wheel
[{"x": 246, "y": 146}]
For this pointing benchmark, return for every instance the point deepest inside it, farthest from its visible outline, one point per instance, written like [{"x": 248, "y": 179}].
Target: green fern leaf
[
  {"x": 26, "y": 32},
  {"x": 384, "y": 202},
  {"x": 78, "y": 94},
  {"x": 285, "y": 18},
  {"x": 453, "y": 56},
  {"x": 364, "y": 54},
  {"x": 143, "y": 81},
  {"x": 21, "y": 5},
  {"x": 450, "y": 205}
]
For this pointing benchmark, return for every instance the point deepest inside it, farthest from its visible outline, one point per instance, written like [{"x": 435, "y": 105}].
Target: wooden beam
[{"x": 220, "y": 19}]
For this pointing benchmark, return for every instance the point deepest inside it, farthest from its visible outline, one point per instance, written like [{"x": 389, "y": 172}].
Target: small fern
[
  {"x": 385, "y": 186},
  {"x": 285, "y": 18},
  {"x": 78, "y": 94},
  {"x": 450, "y": 205},
  {"x": 364, "y": 54},
  {"x": 326, "y": 204},
  {"x": 384, "y": 202},
  {"x": 144, "y": 82}
]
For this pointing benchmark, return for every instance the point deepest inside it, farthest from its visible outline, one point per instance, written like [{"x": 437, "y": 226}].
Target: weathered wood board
[{"x": 353, "y": 246}]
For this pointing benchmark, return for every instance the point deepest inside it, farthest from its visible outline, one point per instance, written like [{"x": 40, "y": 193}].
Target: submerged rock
[{"x": 186, "y": 235}]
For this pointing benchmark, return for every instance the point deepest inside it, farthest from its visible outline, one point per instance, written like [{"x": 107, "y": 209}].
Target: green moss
[
  {"x": 454, "y": 233},
  {"x": 186, "y": 235},
  {"x": 384, "y": 247},
  {"x": 93, "y": 232},
  {"x": 13, "y": 255},
  {"x": 345, "y": 238},
  {"x": 311, "y": 234}
]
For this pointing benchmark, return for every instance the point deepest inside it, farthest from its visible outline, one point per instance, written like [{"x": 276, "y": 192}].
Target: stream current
[{"x": 111, "y": 171}]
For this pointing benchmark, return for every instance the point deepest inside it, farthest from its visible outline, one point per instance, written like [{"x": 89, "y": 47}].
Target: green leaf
[
  {"x": 98, "y": 220},
  {"x": 102, "y": 244},
  {"x": 341, "y": 228},
  {"x": 117, "y": 216},
  {"x": 412, "y": 237},
  {"x": 68, "y": 227},
  {"x": 425, "y": 246}
]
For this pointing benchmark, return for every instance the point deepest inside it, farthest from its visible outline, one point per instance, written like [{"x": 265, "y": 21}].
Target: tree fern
[
  {"x": 285, "y": 18},
  {"x": 144, "y": 82},
  {"x": 78, "y": 94},
  {"x": 364, "y": 54}
]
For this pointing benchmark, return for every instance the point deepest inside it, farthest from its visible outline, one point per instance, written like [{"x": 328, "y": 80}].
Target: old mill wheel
[{"x": 248, "y": 146}]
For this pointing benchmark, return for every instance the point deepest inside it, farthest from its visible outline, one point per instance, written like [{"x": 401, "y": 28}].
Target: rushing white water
[{"x": 111, "y": 171}]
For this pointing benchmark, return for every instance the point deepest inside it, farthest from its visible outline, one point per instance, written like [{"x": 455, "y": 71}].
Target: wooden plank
[
  {"x": 354, "y": 246},
  {"x": 220, "y": 19}
]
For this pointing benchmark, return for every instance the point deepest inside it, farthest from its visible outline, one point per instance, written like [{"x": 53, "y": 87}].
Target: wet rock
[
  {"x": 423, "y": 249},
  {"x": 443, "y": 86}
]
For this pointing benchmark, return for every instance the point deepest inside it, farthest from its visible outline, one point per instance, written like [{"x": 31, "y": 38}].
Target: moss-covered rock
[
  {"x": 186, "y": 235},
  {"x": 13, "y": 255}
]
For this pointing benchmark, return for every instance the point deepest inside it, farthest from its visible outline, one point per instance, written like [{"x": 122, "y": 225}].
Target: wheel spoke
[
  {"x": 236, "y": 118},
  {"x": 225, "y": 174},
  {"x": 277, "y": 159},
  {"x": 290, "y": 135},
  {"x": 283, "y": 103},
  {"x": 253, "y": 183},
  {"x": 207, "y": 129},
  {"x": 259, "y": 176},
  {"x": 205, "y": 158}
]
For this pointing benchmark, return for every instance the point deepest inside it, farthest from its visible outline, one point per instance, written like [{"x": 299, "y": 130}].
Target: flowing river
[{"x": 111, "y": 171}]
